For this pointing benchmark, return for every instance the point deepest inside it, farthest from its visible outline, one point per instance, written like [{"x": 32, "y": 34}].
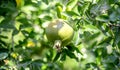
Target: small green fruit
[{"x": 58, "y": 31}]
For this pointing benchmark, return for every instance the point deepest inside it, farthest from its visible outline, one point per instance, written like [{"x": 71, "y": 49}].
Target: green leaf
[
  {"x": 18, "y": 37},
  {"x": 113, "y": 16},
  {"x": 1, "y": 36},
  {"x": 46, "y": 1},
  {"x": 72, "y": 13},
  {"x": 103, "y": 18},
  {"x": 3, "y": 55},
  {"x": 71, "y": 4},
  {"x": 2, "y": 43},
  {"x": 70, "y": 54},
  {"x": 47, "y": 17},
  {"x": 50, "y": 55},
  {"x": 71, "y": 47},
  {"x": 89, "y": 65},
  {"x": 113, "y": 1},
  {"x": 85, "y": 7},
  {"x": 15, "y": 31},
  {"x": 105, "y": 40},
  {"x": 59, "y": 11},
  {"x": 7, "y": 24},
  {"x": 19, "y": 3},
  {"x": 57, "y": 56},
  {"x": 63, "y": 57},
  {"x": 91, "y": 28}
]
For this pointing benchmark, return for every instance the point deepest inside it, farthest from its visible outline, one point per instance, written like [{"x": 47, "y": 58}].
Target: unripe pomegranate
[{"x": 59, "y": 33}]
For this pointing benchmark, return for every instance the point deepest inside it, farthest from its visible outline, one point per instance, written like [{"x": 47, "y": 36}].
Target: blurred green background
[{"x": 96, "y": 42}]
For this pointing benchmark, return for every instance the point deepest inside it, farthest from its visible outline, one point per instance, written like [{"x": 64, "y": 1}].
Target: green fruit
[{"x": 59, "y": 32}]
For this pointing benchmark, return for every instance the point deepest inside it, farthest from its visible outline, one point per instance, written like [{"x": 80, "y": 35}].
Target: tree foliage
[{"x": 96, "y": 42}]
